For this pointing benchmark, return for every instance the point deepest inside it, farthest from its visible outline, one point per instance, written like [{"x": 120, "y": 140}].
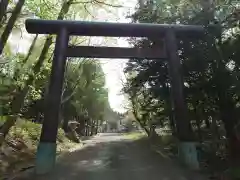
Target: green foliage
[
  {"x": 83, "y": 85},
  {"x": 33, "y": 130},
  {"x": 30, "y": 132},
  {"x": 24, "y": 77},
  {"x": 209, "y": 66},
  {"x": 21, "y": 144},
  {"x": 149, "y": 80},
  {"x": 84, "y": 92}
]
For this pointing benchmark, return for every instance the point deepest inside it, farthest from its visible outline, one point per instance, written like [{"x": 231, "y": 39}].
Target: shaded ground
[{"x": 115, "y": 157}]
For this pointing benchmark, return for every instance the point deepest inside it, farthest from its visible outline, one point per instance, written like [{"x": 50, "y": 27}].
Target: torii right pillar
[{"x": 187, "y": 146}]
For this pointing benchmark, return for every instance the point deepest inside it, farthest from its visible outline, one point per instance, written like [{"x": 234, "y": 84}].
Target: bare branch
[
  {"x": 47, "y": 5},
  {"x": 85, "y": 7},
  {"x": 82, "y": 2},
  {"x": 75, "y": 43},
  {"x": 97, "y": 2},
  {"x": 111, "y": 5},
  {"x": 49, "y": 60}
]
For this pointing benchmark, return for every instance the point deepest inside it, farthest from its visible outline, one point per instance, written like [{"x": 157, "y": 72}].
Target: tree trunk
[
  {"x": 207, "y": 123},
  {"x": 81, "y": 127},
  {"x": 215, "y": 135},
  {"x": 16, "y": 73},
  {"x": 16, "y": 105},
  {"x": 91, "y": 127},
  {"x": 86, "y": 127},
  {"x": 10, "y": 24},
  {"x": 3, "y": 9},
  {"x": 38, "y": 118},
  {"x": 96, "y": 128},
  {"x": 136, "y": 117},
  {"x": 65, "y": 126},
  {"x": 141, "y": 124},
  {"x": 172, "y": 122},
  {"x": 170, "y": 109},
  {"x": 146, "y": 129},
  {"x": 18, "y": 101},
  {"x": 152, "y": 134},
  {"x": 63, "y": 120},
  {"x": 228, "y": 116},
  {"x": 198, "y": 123}
]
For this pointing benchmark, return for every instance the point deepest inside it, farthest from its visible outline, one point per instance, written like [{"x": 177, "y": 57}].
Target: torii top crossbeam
[{"x": 86, "y": 28}]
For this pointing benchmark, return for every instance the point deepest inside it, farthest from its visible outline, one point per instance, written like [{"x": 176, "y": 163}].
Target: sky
[{"x": 113, "y": 68}]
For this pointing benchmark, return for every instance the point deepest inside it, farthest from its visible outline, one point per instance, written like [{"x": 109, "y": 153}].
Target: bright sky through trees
[{"x": 112, "y": 68}]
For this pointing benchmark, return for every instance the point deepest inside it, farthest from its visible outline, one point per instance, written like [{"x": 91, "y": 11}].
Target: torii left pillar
[{"x": 46, "y": 154}]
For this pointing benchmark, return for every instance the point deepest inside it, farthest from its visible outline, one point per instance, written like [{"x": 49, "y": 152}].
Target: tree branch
[
  {"x": 97, "y": 2},
  {"x": 85, "y": 7}
]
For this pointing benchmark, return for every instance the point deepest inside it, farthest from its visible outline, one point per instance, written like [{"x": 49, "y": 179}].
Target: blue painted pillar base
[
  {"x": 187, "y": 154},
  {"x": 46, "y": 157}
]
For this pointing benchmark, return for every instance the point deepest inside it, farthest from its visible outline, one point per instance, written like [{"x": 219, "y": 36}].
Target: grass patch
[{"x": 134, "y": 135}]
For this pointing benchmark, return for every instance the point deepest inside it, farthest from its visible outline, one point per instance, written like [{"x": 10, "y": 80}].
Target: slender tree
[
  {"x": 10, "y": 24},
  {"x": 3, "y": 9}
]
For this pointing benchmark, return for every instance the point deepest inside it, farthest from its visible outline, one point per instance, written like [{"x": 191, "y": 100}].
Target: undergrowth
[{"x": 19, "y": 148}]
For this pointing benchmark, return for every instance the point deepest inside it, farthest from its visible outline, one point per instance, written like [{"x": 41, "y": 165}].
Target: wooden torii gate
[{"x": 63, "y": 29}]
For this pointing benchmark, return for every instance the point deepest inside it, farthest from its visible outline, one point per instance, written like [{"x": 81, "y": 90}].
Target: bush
[
  {"x": 30, "y": 132},
  {"x": 61, "y": 136},
  {"x": 25, "y": 131},
  {"x": 21, "y": 143},
  {"x": 2, "y": 120},
  {"x": 33, "y": 130}
]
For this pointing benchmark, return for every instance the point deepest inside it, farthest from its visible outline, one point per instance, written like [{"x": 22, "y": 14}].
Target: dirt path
[{"x": 113, "y": 157}]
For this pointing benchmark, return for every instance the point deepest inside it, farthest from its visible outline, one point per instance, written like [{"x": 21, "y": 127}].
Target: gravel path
[{"x": 113, "y": 157}]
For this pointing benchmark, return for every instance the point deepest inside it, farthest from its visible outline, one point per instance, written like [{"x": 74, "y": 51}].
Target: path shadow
[{"x": 116, "y": 160}]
